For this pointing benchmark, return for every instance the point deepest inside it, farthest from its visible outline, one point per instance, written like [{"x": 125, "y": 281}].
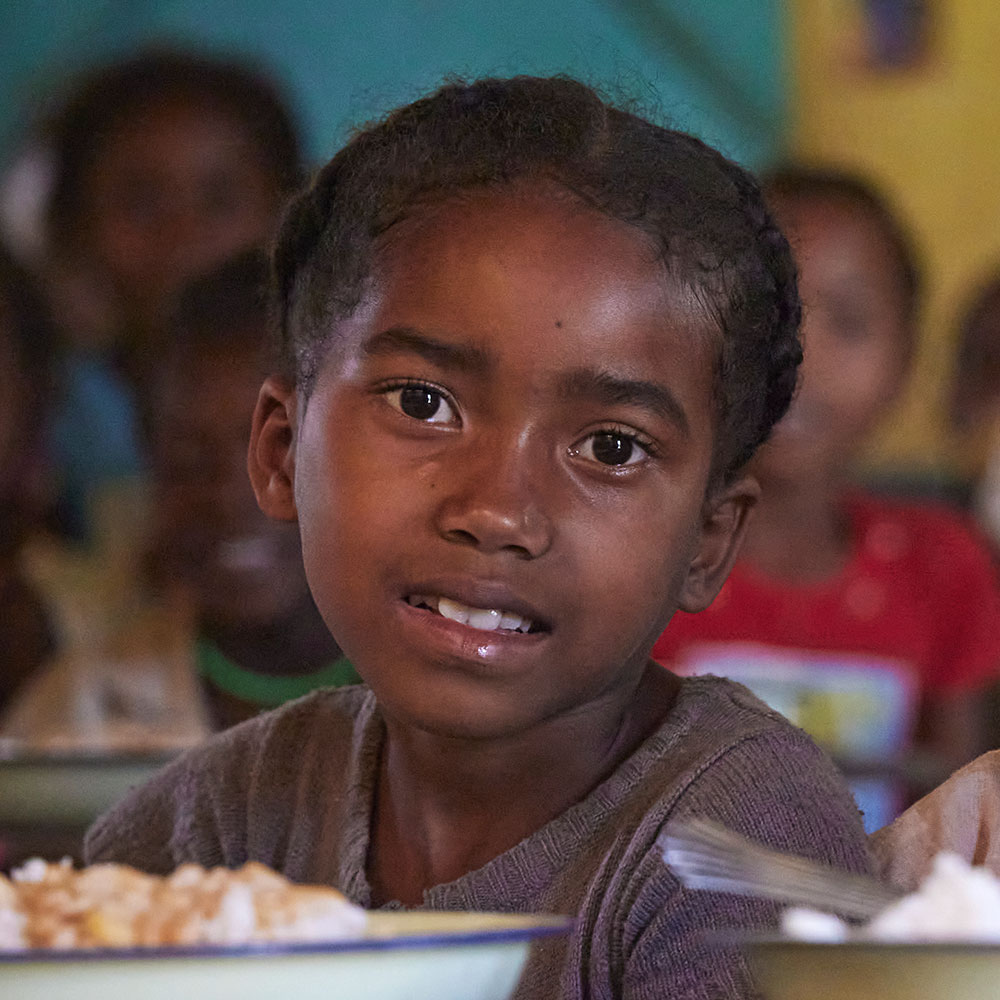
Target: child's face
[
  {"x": 13, "y": 406},
  {"x": 514, "y": 428},
  {"x": 855, "y": 337},
  {"x": 172, "y": 193},
  {"x": 241, "y": 566}
]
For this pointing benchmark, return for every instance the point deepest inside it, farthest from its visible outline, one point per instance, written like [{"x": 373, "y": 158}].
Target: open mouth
[{"x": 485, "y": 619}]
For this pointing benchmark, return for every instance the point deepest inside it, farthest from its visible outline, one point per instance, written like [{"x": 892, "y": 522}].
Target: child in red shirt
[{"x": 872, "y": 623}]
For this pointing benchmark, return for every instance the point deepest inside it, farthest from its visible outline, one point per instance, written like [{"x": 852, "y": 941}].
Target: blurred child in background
[
  {"x": 875, "y": 624},
  {"x": 260, "y": 639},
  {"x": 975, "y": 403},
  {"x": 162, "y": 165},
  {"x": 26, "y": 343}
]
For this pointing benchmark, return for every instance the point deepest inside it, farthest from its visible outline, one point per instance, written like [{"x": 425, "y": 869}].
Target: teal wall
[{"x": 710, "y": 66}]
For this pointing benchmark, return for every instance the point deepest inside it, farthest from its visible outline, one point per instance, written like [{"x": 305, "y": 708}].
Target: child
[
  {"x": 163, "y": 165},
  {"x": 529, "y": 342},
  {"x": 872, "y": 623},
  {"x": 26, "y": 340},
  {"x": 261, "y": 640},
  {"x": 975, "y": 404}
]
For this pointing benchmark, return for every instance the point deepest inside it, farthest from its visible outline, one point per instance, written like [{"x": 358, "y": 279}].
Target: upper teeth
[{"x": 487, "y": 619}]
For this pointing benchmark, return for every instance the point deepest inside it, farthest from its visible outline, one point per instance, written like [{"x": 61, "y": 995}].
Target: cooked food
[
  {"x": 47, "y": 905},
  {"x": 955, "y": 902}
]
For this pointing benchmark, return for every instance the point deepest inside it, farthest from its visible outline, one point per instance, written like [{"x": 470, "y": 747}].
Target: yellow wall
[{"x": 931, "y": 137}]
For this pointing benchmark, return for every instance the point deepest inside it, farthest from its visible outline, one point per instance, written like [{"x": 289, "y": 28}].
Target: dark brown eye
[
  {"x": 422, "y": 402},
  {"x": 419, "y": 402},
  {"x": 610, "y": 448}
]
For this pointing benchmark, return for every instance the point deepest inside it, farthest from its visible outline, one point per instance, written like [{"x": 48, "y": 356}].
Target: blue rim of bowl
[
  {"x": 731, "y": 937},
  {"x": 95, "y": 759},
  {"x": 764, "y": 942},
  {"x": 500, "y": 935}
]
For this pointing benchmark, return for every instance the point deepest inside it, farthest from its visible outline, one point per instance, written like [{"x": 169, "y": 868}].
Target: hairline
[{"x": 688, "y": 292}]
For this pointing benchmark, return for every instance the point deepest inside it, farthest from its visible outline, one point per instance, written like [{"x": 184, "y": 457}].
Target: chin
[
  {"x": 455, "y": 709},
  {"x": 475, "y": 720}
]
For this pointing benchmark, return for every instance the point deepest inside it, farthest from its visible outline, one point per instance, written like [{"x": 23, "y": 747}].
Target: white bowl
[
  {"x": 416, "y": 955},
  {"x": 68, "y": 789},
  {"x": 870, "y": 970}
]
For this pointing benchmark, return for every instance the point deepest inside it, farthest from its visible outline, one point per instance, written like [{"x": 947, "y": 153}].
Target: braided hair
[{"x": 704, "y": 215}]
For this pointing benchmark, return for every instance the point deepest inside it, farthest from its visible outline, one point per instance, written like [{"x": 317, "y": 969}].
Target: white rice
[{"x": 955, "y": 902}]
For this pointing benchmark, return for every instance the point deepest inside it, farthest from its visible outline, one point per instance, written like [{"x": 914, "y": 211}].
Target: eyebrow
[
  {"x": 612, "y": 390},
  {"x": 460, "y": 357},
  {"x": 580, "y": 383}
]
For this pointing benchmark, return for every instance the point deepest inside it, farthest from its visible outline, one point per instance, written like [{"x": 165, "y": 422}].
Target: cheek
[
  {"x": 131, "y": 257},
  {"x": 869, "y": 381},
  {"x": 632, "y": 559},
  {"x": 347, "y": 507},
  {"x": 222, "y": 237},
  {"x": 121, "y": 251},
  {"x": 853, "y": 380}
]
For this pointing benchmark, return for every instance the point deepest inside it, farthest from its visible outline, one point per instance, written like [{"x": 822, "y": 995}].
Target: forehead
[
  {"x": 535, "y": 276},
  {"x": 175, "y": 133},
  {"x": 830, "y": 231}
]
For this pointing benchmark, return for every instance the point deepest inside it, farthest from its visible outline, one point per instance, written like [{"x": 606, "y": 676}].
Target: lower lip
[{"x": 451, "y": 640}]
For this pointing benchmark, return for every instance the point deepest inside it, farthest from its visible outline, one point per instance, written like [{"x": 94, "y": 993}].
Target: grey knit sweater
[{"x": 293, "y": 789}]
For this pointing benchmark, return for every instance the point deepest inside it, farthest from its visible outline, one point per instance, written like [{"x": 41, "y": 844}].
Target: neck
[
  {"x": 798, "y": 532},
  {"x": 447, "y": 806}
]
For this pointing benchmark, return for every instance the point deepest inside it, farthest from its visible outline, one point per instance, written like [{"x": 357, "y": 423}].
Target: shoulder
[
  {"x": 196, "y": 808},
  {"x": 325, "y": 715},
  {"x": 723, "y": 756},
  {"x": 750, "y": 768},
  {"x": 290, "y": 731},
  {"x": 714, "y": 716}
]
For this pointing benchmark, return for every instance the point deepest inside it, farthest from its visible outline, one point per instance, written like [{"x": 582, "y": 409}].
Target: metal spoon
[{"x": 706, "y": 855}]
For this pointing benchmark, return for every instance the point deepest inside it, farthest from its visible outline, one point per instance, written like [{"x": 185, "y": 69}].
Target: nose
[
  {"x": 192, "y": 239},
  {"x": 494, "y": 499}
]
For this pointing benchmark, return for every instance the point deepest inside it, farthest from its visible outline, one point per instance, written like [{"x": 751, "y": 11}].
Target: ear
[
  {"x": 724, "y": 523},
  {"x": 271, "y": 458}
]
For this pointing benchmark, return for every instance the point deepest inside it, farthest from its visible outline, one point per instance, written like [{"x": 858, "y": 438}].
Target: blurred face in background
[
  {"x": 238, "y": 565},
  {"x": 856, "y": 337},
  {"x": 975, "y": 391},
  {"x": 24, "y": 483},
  {"x": 13, "y": 407},
  {"x": 171, "y": 193}
]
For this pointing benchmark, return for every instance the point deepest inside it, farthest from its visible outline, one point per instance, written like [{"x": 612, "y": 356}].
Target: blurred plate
[
  {"x": 859, "y": 970},
  {"x": 408, "y": 956},
  {"x": 68, "y": 790}
]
